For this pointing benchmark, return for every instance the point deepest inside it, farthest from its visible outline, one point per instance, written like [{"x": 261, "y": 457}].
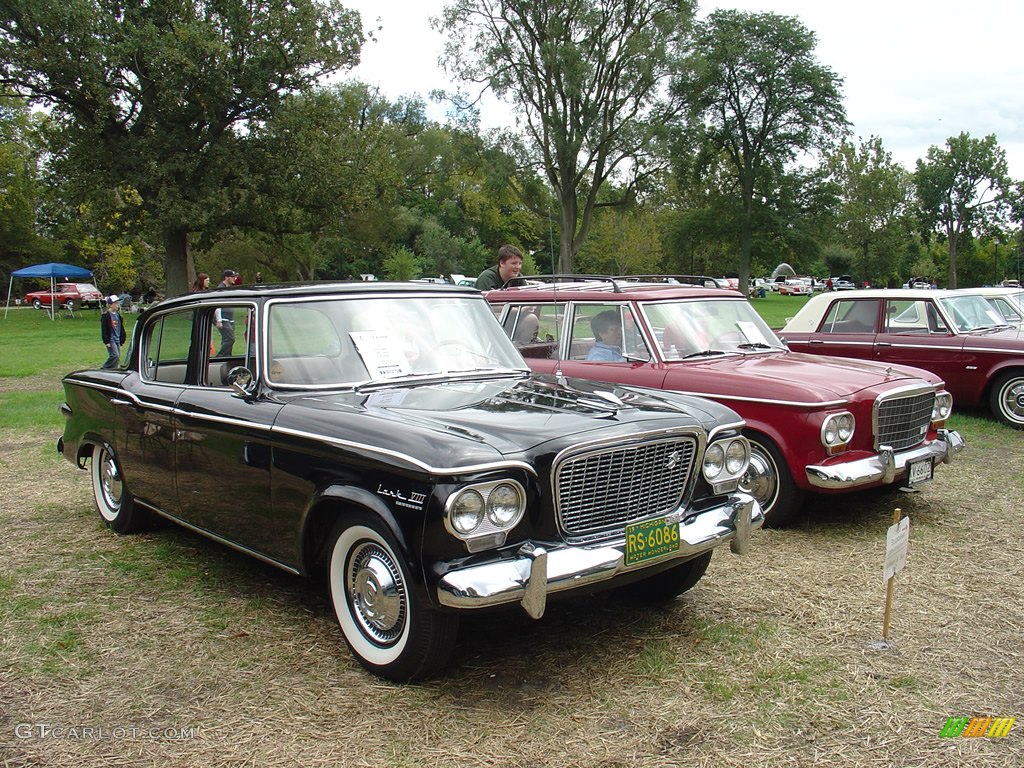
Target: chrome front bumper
[
  {"x": 536, "y": 572},
  {"x": 886, "y": 465}
]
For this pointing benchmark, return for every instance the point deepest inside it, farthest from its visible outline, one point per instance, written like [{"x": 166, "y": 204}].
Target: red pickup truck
[{"x": 69, "y": 295}]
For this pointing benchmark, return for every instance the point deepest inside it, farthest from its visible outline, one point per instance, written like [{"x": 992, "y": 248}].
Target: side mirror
[{"x": 241, "y": 381}]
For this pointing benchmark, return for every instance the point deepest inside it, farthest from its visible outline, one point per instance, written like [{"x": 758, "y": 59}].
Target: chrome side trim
[
  {"x": 767, "y": 401},
  {"x": 537, "y": 572},
  {"x": 320, "y": 437},
  {"x": 221, "y": 540},
  {"x": 886, "y": 466}
]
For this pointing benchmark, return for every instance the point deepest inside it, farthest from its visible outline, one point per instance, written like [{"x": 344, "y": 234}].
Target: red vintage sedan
[
  {"x": 67, "y": 295},
  {"x": 814, "y": 424},
  {"x": 958, "y": 336}
]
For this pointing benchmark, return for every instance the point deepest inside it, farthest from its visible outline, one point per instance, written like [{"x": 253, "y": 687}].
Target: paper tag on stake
[{"x": 897, "y": 541}]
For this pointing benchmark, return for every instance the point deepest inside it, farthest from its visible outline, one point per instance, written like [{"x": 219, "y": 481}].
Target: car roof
[
  {"x": 603, "y": 288},
  {"x": 316, "y": 289}
]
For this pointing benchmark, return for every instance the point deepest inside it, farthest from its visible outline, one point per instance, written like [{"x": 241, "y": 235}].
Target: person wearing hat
[
  {"x": 224, "y": 318},
  {"x": 112, "y": 331}
]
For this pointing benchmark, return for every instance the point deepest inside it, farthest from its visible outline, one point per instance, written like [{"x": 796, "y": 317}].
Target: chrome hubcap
[
  {"x": 377, "y": 593},
  {"x": 110, "y": 480},
  {"x": 760, "y": 480},
  {"x": 1013, "y": 400}
]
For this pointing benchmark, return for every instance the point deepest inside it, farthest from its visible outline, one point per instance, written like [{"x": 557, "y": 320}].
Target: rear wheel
[
  {"x": 116, "y": 506},
  {"x": 385, "y": 625},
  {"x": 1007, "y": 399},
  {"x": 37, "y": 303},
  {"x": 767, "y": 479}
]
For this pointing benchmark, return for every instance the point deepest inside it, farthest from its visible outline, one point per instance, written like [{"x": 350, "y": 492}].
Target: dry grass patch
[{"x": 767, "y": 662}]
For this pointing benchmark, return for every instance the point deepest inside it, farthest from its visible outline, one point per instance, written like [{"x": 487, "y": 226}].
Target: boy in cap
[{"x": 112, "y": 331}]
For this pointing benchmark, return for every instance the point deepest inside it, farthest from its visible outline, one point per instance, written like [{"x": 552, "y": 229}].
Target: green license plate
[{"x": 651, "y": 539}]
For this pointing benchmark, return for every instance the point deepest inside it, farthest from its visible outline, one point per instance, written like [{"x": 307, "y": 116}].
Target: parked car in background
[
  {"x": 814, "y": 425},
  {"x": 843, "y": 283},
  {"x": 67, "y": 295},
  {"x": 1008, "y": 301},
  {"x": 390, "y": 435},
  {"x": 795, "y": 287},
  {"x": 958, "y": 336}
]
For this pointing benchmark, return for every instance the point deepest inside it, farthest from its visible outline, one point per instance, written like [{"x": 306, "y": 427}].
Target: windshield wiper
[
  {"x": 704, "y": 353},
  {"x": 755, "y": 345},
  {"x": 436, "y": 376}
]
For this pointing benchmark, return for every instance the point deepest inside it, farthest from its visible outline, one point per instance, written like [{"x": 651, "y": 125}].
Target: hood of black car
[{"x": 466, "y": 423}]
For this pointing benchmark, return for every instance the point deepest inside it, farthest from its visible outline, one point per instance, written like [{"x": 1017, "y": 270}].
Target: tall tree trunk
[
  {"x": 953, "y": 236},
  {"x": 566, "y": 232},
  {"x": 178, "y": 265}
]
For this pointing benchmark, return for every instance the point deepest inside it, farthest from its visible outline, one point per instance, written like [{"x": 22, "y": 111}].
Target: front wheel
[
  {"x": 767, "y": 479},
  {"x": 116, "y": 506},
  {"x": 1007, "y": 399},
  {"x": 670, "y": 583},
  {"x": 387, "y": 629},
  {"x": 37, "y": 303}
]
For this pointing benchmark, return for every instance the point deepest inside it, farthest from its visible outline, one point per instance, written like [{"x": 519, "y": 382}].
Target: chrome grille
[
  {"x": 902, "y": 421},
  {"x": 603, "y": 490}
]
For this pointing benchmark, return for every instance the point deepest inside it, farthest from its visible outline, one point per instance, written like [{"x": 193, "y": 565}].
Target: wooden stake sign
[{"x": 897, "y": 541}]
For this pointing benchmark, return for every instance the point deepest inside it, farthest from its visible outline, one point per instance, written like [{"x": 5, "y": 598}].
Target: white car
[{"x": 795, "y": 287}]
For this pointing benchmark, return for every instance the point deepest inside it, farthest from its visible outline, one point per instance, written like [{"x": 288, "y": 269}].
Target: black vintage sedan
[{"x": 391, "y": 436}]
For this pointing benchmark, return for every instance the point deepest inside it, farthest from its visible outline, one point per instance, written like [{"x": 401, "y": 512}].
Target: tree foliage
[
  {"x": 760, "y": 100},
  {"x": 586, "y": 78},
  {"x": 962, "y": 189},
  {"x": 873, "y": 215},
  {"x": 162, "y": 96}
]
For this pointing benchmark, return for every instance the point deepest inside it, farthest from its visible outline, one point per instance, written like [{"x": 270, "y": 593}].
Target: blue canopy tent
[{"x": 53, "y": 271}]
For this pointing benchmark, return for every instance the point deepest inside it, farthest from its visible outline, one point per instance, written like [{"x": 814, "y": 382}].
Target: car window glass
[
  {"x": 331, "y": 342},
  {"x": 584, "y": 345},
  {"x": 165, "y": 347},
  {"x": 851, "y": 316},
  {"x": 970, "y": 312},
  {"x": 1006, "y": 309},
  {"x": 906, "y": 316},
  {"x": 534, "y": 329},
  {"x": 231, "y": 343},
  {"x": 684, "y": 328}
]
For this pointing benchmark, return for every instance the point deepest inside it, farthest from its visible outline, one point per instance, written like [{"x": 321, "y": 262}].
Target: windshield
[
  {"x": 971, "y": 313},
  {"x": 347, "y": 341},
  {"x": 688, "y": 328}
]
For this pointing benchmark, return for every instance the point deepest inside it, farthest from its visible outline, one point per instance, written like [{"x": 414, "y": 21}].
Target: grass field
[{"x": 167, "y": 649}]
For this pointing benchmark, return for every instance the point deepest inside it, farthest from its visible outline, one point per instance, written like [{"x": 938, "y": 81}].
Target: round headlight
[
  {"x": 503, "y": 505},
  {"x": 831, "y": 431},
  {"x": 714, "y": 461},
  {"x": 845, "y": 427},
  {"x": 736, "y": 457},
  {"x": 467, "y": 511},
  {"x": 943, "y": 407}
]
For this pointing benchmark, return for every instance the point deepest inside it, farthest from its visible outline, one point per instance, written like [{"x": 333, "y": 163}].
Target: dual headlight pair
[
  {"x": 725, "y": 461},
  {"x": 484, "y": 513}
]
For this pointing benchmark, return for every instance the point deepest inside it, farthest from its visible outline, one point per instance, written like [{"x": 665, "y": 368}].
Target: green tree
[
  {"x": 402, "y": 264},
  {"x": 20, "y": 151},
  {"x": 163, "y": 96},
  {"x": 759, "y": 99},
  {"x": 875, "y": 196},
  {"x": 586, "y": 77},
  {"x": 963, "y": 188},
  {"x": 623, "y": 242}
]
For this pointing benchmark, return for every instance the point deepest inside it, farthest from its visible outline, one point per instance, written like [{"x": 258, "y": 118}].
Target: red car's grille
[
  {"x": 603, "y": 490},
  {"x": 902, "y": 421}
]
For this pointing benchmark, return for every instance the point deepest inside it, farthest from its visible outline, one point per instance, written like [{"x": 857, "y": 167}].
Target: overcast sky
[{"x": 914, "y": 72}]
